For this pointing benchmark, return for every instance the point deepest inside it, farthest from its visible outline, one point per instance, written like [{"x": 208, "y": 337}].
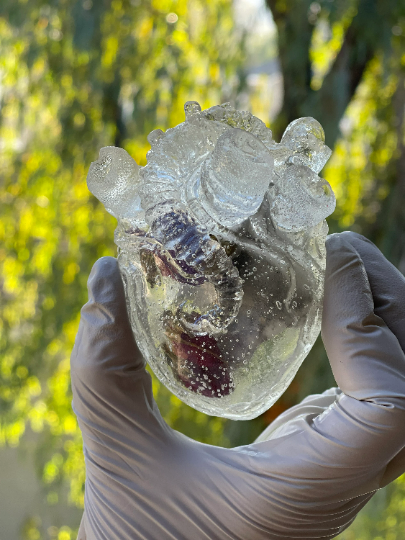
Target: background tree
[{"x": 343, "y": 63}]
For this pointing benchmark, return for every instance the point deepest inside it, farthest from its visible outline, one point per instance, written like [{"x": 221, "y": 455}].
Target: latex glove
[{"x": 307, "y": 476}]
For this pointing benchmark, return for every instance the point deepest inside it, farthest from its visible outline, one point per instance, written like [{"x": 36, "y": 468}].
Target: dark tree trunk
[{"x": 362, "y": 40}]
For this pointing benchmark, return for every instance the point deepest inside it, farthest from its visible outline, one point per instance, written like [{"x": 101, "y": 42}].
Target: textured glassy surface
[{"x": 221, "y": 242}]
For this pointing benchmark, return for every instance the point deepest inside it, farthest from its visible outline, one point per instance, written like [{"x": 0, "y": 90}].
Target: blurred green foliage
[{"x": 77, "y": 75}]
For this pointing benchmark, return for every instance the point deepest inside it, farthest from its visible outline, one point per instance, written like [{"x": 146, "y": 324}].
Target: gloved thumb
[
  {"x": 387, "y": 285},
  {"x": 105, "y": 336},
  {"x": 365, "y": 355},
  {"x": 112, "y": 392}
]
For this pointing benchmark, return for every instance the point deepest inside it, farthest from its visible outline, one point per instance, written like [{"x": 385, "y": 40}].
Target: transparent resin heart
[{"x": 221, "y": 242}]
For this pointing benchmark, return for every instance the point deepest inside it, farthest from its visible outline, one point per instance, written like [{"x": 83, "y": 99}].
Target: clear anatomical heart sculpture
[{"x": 221, "y": 241}]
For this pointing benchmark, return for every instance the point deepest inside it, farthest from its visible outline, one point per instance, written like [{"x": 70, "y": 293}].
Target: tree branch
[
  {"x": 294, "y": 40},
  {"x": 364, "y": 37},
  {"x": 362, "y": 40}
]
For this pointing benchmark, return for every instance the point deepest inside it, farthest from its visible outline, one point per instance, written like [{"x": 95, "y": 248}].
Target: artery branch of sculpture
[{"x": 221, "y": 247}]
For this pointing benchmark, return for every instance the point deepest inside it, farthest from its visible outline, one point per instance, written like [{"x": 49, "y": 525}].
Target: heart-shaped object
[{"x": 221, "y": 242}]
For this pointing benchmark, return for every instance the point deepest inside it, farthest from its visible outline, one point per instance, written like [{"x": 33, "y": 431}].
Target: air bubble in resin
[{"x": 221, "y": 241}]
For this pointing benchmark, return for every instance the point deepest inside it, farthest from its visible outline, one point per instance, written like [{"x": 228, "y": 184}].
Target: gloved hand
[{"x": 306, "y": 476}]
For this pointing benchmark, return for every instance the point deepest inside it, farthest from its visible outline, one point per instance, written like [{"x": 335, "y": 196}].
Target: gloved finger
[
  {"x": 366, "y": 357},
  {"x": 112, "y": 392},
  {"x": 105, "y": 336},
  {"x": 387, "y": 284}
]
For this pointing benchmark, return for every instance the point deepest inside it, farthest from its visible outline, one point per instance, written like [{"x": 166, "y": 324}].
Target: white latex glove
[{"x": 310, "y": 472}]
